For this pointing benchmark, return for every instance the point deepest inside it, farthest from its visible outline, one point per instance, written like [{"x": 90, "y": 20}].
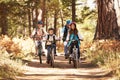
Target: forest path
[{"x": 62, "y": 71}]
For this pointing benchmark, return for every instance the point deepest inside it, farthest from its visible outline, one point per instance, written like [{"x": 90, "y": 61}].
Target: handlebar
[{"x": 49, "y": 40}]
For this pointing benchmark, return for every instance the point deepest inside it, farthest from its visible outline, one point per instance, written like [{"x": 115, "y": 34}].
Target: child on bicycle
[
  {"x": 74, "y": 35},
  {"x": 50, "y": 43}
]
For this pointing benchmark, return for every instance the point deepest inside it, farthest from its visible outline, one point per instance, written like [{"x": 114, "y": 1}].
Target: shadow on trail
[
  {"x": 65, "y": 77},
  {"x": 63, "y": 71},
  {"x": 60, "y": 62}
]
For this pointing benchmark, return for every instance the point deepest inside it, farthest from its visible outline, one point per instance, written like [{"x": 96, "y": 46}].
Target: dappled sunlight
[{"x": 61, "y": 71}]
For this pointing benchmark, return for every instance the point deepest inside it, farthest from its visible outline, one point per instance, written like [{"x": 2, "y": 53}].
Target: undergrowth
[{"x": 105, "y": 54}]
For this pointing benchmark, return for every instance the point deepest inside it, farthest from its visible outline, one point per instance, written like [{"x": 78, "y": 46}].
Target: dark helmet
[{"x": 40, "y": 22}]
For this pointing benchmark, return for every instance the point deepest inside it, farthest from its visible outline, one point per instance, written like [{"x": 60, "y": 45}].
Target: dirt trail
[{"x": 62, "y": 71}]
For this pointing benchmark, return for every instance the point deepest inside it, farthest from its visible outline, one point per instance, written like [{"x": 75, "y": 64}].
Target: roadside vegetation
[
  {"x": 13, "y": 52},
  {"x": 16, "y": 22}
]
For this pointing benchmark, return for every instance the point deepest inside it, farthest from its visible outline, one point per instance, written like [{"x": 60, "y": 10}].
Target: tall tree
[
  {"x": 73, "y": 10},
  {"x": 107, "y": 24},
  {"x": 43, "y": 11},
  {"x": 3, "y": 18},
  {"x": 53, "y": 8}
]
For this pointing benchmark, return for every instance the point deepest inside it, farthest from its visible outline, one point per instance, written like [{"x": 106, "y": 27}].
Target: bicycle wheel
[
  {"x": 40, "y": 59},
  {"x": 52, "y": 57},
  {"x": 76, "y": 61},
  {"x": 69, "y": 60},
  {"x": 40, "y": 54}
]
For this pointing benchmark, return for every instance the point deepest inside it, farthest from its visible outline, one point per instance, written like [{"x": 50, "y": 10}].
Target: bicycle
[
  {"x": 74, "y": 55},
  {"x": 51, "y": 53},
  {"x": 40, "y": 51},
  {"x": 39, "y": 47},
  {"x": 51, "y": 56}
]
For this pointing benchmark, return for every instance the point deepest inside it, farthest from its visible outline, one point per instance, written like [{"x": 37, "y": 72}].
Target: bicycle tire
[
  {"x": 40, "y": 55},
  {"x": 40, "y": 59},
  {"x": 76, "y": 61},
  {"x": 52, "y": 58},
  {"x": 69, "y": 60}
]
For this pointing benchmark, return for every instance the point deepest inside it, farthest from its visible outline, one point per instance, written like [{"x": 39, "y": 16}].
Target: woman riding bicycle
[{"x": 74, "y": 38}]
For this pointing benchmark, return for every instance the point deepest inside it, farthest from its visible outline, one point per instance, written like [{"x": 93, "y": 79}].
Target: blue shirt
[{"x": 73, "y": 37}]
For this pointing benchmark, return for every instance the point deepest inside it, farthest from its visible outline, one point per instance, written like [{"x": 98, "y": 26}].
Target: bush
[
  {"x": 17, "y": 47},
  {"x": 106, "y": 54},
  {"x": 12, "y": 52},
  {"x": 9, "y": 68}
]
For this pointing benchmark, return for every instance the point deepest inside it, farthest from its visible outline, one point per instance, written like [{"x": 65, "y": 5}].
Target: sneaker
[{"x": 66, "y": 57}]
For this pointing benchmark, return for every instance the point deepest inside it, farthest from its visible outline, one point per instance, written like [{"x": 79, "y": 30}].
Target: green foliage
[
  {"x": 86, "y": 14},
  {"x": 53, "y": 5},
  {"x": 66, "y": 3},
  {"x": 4, "y": 1},
  {"x": 16, "y": 15}
]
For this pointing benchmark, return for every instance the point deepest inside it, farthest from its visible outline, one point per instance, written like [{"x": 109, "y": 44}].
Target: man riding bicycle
[{"x": 37, "y": 35}]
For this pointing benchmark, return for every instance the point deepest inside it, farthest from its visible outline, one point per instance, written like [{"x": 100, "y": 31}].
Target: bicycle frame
[
  {"x": 74, "y": 57},
  {"x": 40, "y": 51},
  {"x": 51, "y": 55}
]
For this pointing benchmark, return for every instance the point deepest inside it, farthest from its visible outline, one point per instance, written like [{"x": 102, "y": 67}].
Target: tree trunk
[
  {"x": 73, "y": 10},
  {"x": 117, "y": 7},
  {"x": 3, "y": 19},
  {"x": 29, "y": 20},
  {"x": 43, "y": 11},
  {"x": 107, "y": 25},
  {"x": 46, "y": 23},
  {"x": 55, "y": 21}
]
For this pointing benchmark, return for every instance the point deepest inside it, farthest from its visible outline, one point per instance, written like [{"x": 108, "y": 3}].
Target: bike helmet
[
  {"x": 68, "y": 22},
  {"x": 40, "y": 22}
]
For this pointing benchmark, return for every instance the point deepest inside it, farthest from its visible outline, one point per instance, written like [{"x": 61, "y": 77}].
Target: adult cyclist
[{"x": 37, "y": 35}]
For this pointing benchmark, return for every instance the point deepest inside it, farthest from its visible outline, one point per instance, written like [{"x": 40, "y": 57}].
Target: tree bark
[
  {"x": 43, "y": 11},
  {"x": 29, "y": 20},
  {"x": 3, "y": 19},
  {"x": 46, "y": 23},
  {"x": 117, "y": 7},
  {"x": 73, "y": 10},
  {"x": 55, "y": 21},
  {"x": 107, "y": 26}
]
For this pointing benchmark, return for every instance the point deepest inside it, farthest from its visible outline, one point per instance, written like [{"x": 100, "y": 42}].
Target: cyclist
[
  {"x": 37, "y": 35},
  {"x": 65, "y": 31},
  {"x": 76, "y": 36},
  {"x": 50, "y": 42}
]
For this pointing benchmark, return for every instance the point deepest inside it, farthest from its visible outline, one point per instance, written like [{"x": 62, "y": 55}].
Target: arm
[
  {"x": 44, "y": 31},
  {"x": 68, "y": 35},
  {"x": 57, "y": 38}
]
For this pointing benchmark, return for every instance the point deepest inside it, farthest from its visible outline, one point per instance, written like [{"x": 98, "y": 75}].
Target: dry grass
[{"x": 106, "y": 54}]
